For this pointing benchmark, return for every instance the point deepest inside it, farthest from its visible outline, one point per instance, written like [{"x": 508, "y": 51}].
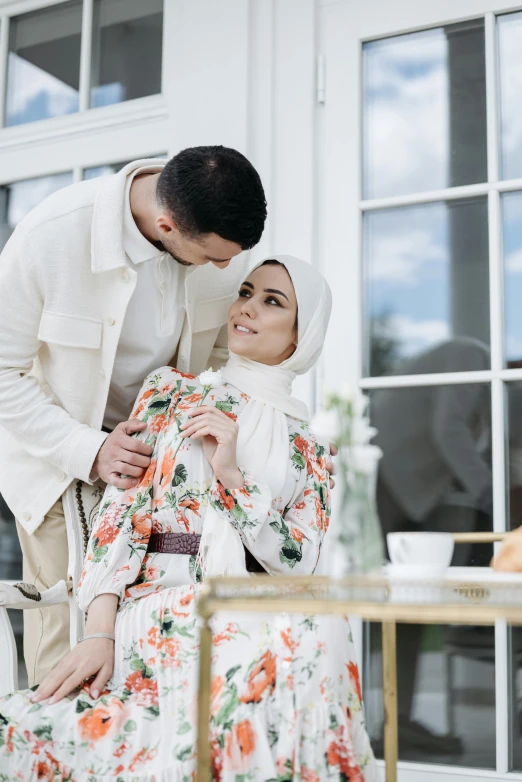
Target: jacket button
[
  {"x": 111, "y": 321},
  {"x": 125, "y": 275},
  {"x": 102, "y": 373},
  {"x": 26, "y": 516}
]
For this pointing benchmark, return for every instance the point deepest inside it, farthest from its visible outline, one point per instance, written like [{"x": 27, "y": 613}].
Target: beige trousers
[{"x": 46, "y": 630}]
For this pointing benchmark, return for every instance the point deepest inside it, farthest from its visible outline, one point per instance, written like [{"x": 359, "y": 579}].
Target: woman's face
[{"x": 261, "y": 323}]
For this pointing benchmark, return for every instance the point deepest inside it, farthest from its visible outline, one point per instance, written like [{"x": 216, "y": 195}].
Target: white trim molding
[{"x": 140, "y": 111}]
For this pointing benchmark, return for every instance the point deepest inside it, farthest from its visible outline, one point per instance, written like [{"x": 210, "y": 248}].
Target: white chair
[{"x": 59, "y": 593}]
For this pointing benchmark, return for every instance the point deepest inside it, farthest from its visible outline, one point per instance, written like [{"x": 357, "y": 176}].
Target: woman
[{"x": 237, "y": 465}]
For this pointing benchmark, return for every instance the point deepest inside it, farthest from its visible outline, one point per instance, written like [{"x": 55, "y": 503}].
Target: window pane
[
  {"x": 109, "y": 168},
  {"x": 510, "y": 62},
  {"x": 514, "y": 495},
  {"x": 44, "y": 63},
  {"x": 426, "y": 281},
  {"x": 512, "y": 243},
  {"x": 424, "y": 110},
  {"x": 121, "y": 30},
  {"x": 113, "y": 168},
  {"x": 16, "y": 200},
  {"x": 435, "y": 475}
]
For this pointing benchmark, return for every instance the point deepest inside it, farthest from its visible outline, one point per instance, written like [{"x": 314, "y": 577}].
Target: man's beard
[{"x": 174, "y": 257}]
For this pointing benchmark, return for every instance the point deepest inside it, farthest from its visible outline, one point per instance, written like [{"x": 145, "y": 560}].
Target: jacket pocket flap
[
  {"x": 212, "y": 314},
  {"x": 70, "y": 330}
]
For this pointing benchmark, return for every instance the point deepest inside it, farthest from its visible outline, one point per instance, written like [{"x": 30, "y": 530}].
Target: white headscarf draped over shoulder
[{"x": 263, "y": 445}]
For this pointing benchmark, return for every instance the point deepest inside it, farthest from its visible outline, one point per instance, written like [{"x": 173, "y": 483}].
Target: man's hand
[
  {"x": 330, "y": 466},
  {"x": 123, "y": 455}
]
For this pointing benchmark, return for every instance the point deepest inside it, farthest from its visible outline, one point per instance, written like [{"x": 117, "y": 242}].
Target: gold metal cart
[{"x": 372, "y": 598}]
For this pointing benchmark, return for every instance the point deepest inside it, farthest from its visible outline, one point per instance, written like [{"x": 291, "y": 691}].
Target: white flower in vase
[{"x": 326, "y": 425}]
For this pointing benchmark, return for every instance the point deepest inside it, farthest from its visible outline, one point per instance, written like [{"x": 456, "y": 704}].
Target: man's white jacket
[{"x": 64, "y": 288}]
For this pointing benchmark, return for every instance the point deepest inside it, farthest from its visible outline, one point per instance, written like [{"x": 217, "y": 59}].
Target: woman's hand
[
  {"x": 93, "y": 657},
  {"x": 218, "y": 433}
]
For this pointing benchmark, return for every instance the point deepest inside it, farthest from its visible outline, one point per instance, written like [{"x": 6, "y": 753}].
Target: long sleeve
[
  {"x": 45, "y": 429},
  {"x": 120, "y": 536},
  {"x": 288, "y": 541}
]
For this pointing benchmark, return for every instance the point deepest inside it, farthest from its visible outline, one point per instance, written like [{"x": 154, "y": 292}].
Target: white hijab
[{"x": 263, "y": 445}]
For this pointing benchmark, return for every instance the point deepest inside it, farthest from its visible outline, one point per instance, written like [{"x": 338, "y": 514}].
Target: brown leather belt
[
  {"x": 174, "y": 543},
  {"x": 188, "y": 543}
]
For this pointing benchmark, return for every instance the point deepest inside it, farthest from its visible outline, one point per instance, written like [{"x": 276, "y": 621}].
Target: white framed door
[{"x": 420, "y": 228}]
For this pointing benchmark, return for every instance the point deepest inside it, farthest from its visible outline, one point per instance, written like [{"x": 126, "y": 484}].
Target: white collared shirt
[{"x": 154, "y": 318}]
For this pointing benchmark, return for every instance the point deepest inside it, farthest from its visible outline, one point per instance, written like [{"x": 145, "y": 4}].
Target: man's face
[{"x": 209, "y": 248}]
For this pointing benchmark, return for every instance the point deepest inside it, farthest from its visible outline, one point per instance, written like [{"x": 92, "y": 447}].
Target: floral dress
[{"x": 286, "y": 697}]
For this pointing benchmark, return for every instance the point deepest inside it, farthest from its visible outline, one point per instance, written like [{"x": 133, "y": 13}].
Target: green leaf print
[
  {"x": 184, "y": 728},
  {"x": 238, "y": 513},
  {"x": 44, "y": 732},
  {"x": 137, "y": 664},
  {"x": 180, "y": 475},
  {"x": 185, "y": 753},
  {"x": 230, "y": 704},
  {"x": 299, "y": 460},
  {"x": 130, "y": 726},
  {"x": 291, "y": 553},
  {"x": 153, "y": 711},
  {"x": 225, "y": 407},
  {"x": 232, "y": 671},
  {"x": 99, "y": 553},
  {"x": 160, "y": 405},
  {"x": 81, "y": 706}
]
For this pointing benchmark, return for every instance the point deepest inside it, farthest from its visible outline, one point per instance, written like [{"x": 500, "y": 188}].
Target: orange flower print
[
  {"x": 167, "y": 467},
  {"x": 141, "y": 523},
  {"x": 303, "y": 447},
  {"x": 307, "y": 775},
  {"x": 142, "y": 757},
  {"x": 9, "y": 739},
  {"x": 353, "y": 671},
  {"x": 187, "y": 599},
  {"x": 96, "y": 723},
  {"x": 262, "y": 677},
  {"x": 191, "y": 504},
  {"x": 145, "y": 689},
  {"x": 42, "y": 770},
  {"x": 226, "y": 499},
  {"x": 340, "y": 753},
  {"x": 118, "y": 770},
  {"x": 106, "y": 532},
  {"x": 297, "y": 534},
  {"x": 215, "y": 693},
  {"x": 288, "y": 641},
  {"x": 243, "y": 737},
  {"x": 217, "y": 760}
]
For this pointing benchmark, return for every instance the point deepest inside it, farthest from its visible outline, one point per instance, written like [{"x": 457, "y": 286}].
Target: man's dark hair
[{"x": 214, "y": 190}]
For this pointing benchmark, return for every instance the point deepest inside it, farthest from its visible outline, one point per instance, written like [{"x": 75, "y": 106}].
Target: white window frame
[
  {"x": 344, "y": 28},
  {"x": 90, "y": 136}
]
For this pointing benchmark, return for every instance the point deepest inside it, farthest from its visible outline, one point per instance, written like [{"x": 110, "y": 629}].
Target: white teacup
[{"x": 427, "y": 553}]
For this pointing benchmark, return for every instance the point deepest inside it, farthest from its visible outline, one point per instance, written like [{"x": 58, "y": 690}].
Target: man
[{"x": 101, "y": 283}]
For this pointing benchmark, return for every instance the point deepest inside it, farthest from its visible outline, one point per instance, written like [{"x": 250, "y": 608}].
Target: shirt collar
[{"x": 136, "y": 246}]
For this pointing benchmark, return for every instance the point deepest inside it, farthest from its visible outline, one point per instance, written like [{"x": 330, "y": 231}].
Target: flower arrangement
[{"x": 358, "y": 545}]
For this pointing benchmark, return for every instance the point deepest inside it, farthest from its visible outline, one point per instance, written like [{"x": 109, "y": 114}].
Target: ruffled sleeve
[
  {"x": 287, "y": 542},
  {"x": 120, "y": 535}
]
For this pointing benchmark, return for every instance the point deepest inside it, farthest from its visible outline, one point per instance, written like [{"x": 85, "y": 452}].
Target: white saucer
[{"x": 414, "y": 572}]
